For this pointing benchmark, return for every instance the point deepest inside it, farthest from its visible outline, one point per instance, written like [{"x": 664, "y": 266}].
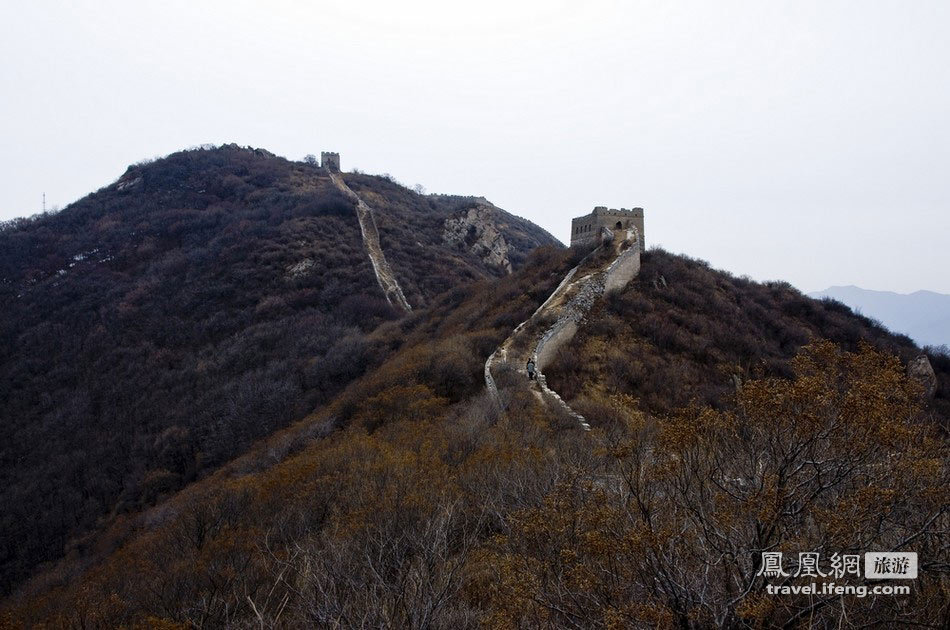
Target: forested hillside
[
  {"x": 154, "y": 329},
  {"x": 684, "y": 333},
  {"x": 729, "y": 417}
]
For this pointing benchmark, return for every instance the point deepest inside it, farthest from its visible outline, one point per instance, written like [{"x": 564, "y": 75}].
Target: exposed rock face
[
  {"x": 474, "y": 230},
  {"x": 301, "y": 268},
  {"x": 127, "y": 183},
  {"x": 921, "y": 371}
]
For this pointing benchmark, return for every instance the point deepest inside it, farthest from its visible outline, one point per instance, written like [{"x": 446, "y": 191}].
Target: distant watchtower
[
  {"x": 586, "y": 229},
  {"x": 330, "y": 161}
]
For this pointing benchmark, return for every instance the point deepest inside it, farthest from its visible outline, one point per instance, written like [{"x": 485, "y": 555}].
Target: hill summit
[{"x": 153, "y": 329}]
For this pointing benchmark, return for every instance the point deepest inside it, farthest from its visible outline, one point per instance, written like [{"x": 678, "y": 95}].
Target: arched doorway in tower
[{"x": 618, "y": 226}]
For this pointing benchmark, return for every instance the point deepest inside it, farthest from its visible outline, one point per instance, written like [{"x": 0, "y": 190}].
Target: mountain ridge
[
  {"x": 854, "y": 286},
  {"x": 923, "y": 315}
]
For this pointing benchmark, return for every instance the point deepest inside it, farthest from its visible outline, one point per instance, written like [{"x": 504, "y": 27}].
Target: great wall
[
  {"x": 617, "y": 240},
  {"x": 384, "y": 273},
  {"x": 609, "y": 267}
]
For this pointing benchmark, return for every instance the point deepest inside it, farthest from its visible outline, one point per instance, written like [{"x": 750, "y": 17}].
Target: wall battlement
[{"x": 586, "y": 230}]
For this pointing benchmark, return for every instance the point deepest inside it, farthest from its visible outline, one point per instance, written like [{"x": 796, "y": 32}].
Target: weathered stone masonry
[
  {"x": 616, "y": 276},
  {"x": 586, "y": 230},
  {"x": 570, "y": 303},
  {"x": 330, "y": 161}
]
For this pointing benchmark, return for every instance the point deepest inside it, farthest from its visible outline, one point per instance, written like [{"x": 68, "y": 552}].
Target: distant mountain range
[{"x": 924, "y": 316}]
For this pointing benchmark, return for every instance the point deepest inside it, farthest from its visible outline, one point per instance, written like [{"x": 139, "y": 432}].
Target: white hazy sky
[{"x": 805, "y": 141}]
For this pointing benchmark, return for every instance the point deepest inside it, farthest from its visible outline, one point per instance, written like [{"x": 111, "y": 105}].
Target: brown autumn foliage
[
  {"x": 837, "y": 460},
  {"x": 453, "y": 516},
  {"x": 410, "y": 501}
]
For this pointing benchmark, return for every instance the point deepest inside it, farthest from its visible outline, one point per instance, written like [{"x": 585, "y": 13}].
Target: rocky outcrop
[
  {"x": 128, "y": 183},
  {"x": 474, "y": 230},
  {"x": 301, "y": 268},
  {"x": 921, "y": 371}
]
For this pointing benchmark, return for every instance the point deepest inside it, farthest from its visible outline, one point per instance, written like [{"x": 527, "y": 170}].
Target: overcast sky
[{"x": 804, "y": 141}]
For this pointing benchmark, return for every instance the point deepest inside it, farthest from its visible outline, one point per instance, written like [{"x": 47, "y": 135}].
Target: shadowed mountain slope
[
  {"x": 683, "y": 332},
  {"x": 155, "y": 328}
]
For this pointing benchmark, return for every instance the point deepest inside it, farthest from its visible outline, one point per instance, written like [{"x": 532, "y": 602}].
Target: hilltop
[{"x": 154, "y": 329}]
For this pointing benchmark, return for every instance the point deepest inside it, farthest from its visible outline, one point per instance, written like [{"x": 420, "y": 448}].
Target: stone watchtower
[
  {"x": 586, "y": 230},
  {"x": 330, "y": 161}
]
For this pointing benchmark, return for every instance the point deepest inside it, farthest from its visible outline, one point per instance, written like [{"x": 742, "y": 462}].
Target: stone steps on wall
[{"x": 568, "y": 306}]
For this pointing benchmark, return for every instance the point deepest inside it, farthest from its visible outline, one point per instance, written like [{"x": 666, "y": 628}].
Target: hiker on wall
[{"x": 530, "y": 369}]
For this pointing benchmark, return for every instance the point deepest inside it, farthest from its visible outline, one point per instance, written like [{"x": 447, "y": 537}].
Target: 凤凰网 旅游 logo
[
  {"x": 808, "y": 573},
  {"x": 878, "y": 565}
]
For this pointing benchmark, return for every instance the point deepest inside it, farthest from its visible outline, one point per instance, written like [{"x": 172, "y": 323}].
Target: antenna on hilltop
[{"x": 44, "y": 202}]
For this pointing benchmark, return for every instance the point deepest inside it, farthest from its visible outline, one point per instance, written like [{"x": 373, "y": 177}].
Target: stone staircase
[{"x": 537, "y": 339}]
